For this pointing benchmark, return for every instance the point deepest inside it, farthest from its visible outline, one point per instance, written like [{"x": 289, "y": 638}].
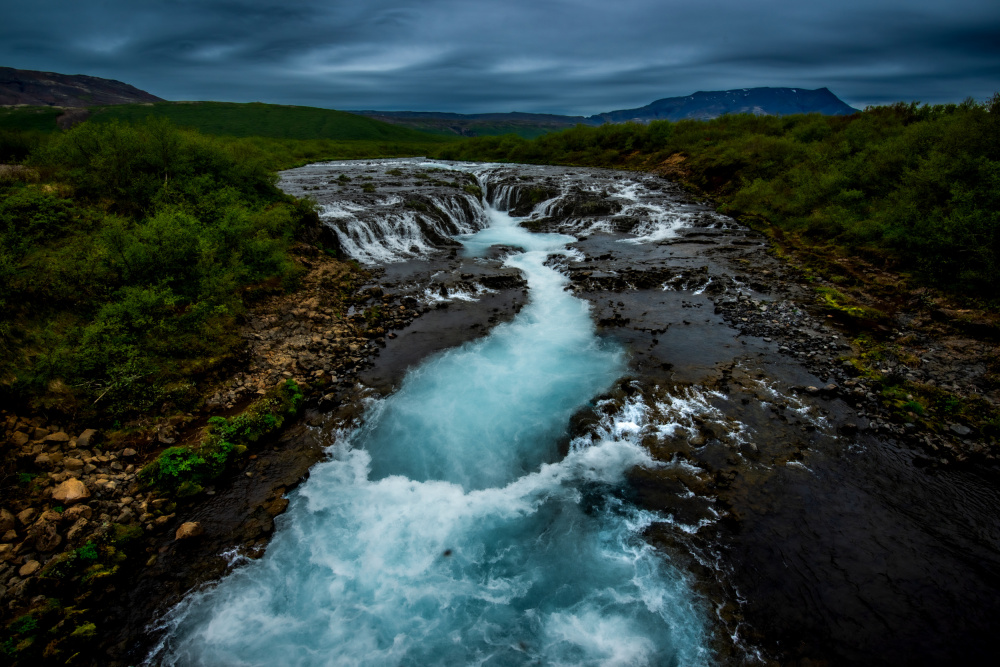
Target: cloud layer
[{"x": 553, "y": 56}]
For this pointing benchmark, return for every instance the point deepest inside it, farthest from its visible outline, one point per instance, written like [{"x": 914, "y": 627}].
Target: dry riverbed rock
[
  {"x": 189, "y": 529},
  {"x": 71, "y": 491}
]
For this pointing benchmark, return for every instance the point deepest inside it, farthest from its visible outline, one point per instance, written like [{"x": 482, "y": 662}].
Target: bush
[{"x": 123, "y": 275}]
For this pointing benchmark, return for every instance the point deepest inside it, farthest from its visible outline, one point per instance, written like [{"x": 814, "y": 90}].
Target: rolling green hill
[
  {"x": 267, "y": 120},
  {"x": 31, "y": 119}
]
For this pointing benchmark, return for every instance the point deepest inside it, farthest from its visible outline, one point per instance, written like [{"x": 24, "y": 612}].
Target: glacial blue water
[{"x": 449, "y": 531}]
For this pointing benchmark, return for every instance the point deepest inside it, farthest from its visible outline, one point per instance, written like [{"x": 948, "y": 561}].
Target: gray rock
[{"x": 960, "y": 429}]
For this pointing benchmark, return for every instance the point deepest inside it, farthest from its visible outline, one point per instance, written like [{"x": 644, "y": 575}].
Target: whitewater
[{"x": 449, "y": 530}]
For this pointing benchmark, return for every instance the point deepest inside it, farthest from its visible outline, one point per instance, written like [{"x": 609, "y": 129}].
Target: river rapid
[{"x": 615, "y": 476}]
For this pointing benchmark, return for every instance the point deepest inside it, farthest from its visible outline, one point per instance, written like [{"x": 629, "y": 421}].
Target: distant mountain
[
  {"x": 705, "y": 105},
  {"x": 700, "y": 106},
  {"x": 22, "y": 86}
]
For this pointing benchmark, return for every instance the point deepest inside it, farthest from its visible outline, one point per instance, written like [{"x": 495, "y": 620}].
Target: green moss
[
  {"x": 85, "y": 630},
  {"x": 837, "y": 302},
  {"x": 183, "y": 471}
]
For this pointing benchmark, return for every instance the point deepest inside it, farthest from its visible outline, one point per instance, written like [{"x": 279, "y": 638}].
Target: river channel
[{"x": 618, "y": 473}]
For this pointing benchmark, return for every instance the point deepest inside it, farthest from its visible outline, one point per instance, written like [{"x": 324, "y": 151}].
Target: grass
[
  {"x": 274, "y": 121},
  {"x": 30, "y": 119}
]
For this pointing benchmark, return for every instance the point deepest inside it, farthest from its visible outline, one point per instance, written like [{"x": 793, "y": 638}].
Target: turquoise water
[{"x": 449, "y": 531}]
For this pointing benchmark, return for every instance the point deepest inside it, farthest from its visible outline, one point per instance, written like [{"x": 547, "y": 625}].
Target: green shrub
[{"x": 121, "y": 282}]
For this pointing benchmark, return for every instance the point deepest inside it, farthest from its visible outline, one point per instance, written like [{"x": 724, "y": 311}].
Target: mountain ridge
[{"x": 38, "y": 88}]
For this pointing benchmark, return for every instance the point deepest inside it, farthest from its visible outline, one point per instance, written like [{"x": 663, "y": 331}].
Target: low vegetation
[
  {"x": 125, "y": 263},
  {"x": 915, "y": 188},
  {"x": 183, "y": 471},
  {"x": 274, "y": 121}
]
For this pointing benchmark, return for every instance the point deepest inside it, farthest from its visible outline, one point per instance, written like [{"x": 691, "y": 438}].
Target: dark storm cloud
[{"x": 527, "y": 55}]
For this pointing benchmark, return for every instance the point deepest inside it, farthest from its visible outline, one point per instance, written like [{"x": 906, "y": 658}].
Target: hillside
[
  {"x": 276, "y": 121},
  {"x": 527, "y": 125},
  {"x": 30, "y": 87}
]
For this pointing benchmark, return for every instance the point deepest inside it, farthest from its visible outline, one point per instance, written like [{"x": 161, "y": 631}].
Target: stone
[
  {"x": 20, "y": 439},
  {"x": 78, "y": 511},
  {"x": 47, "y": 537},
  {"x": 6, "y": 521},
  {"x": 78, "y": 529},
  {"x": 10, "y": 536},
  {"x": 73, "y": 464},
  {"x": 189, "y": 529},
  {"x": 71, "y": 491},
  {"x": 37, "y": 433},
  {"x": 48, "y": 516},
  {"x": 960, "y": 429},
  {"x": 812, "y": 391},
  {"x": 57, "y": 438},
  {"x": 29, "y": 568},
  {"x": 129, "y": 453},
  {"x": 26, "y": 516},
  {"x": 86, "y": 439}
]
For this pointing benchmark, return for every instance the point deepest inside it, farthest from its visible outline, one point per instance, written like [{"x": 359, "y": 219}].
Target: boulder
[
  {"x": 20, "y": 439},
  {"x": 77, "y": 512},
  {"x": 86, "y": 439},
  {"x": 6, "y": 521},
  {"x": 189, "y": 529},
  {"x": 77, "y": 530},
  {"x": 29, "y": 568},
  {"x": 56, "y": 438},
  {"x": 46, "y": 536},
  {"x": 71, "y": 491},
  {"x": 26, "y": 516}
]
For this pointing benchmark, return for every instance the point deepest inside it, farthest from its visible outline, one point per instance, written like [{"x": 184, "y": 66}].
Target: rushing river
[
  {"x": 630, "y": 469},
  {"x": 448, "y": 530}
]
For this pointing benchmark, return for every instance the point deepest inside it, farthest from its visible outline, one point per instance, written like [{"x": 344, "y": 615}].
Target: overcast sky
[{"x": 553, "y": 56}]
